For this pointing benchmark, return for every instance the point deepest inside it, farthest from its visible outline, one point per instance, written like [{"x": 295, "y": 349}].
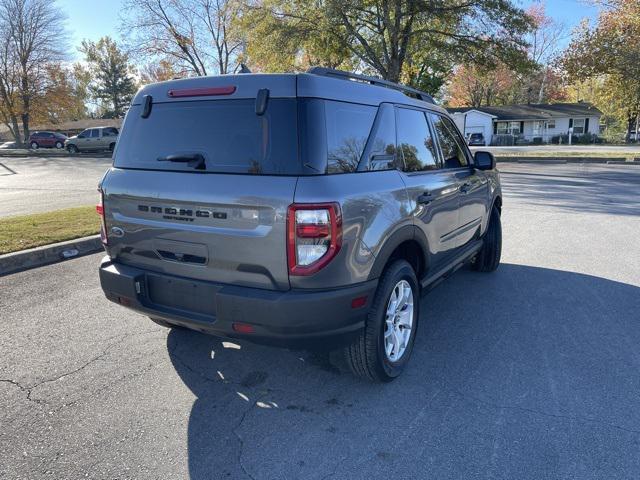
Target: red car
[{"x": 46, "y": 139}]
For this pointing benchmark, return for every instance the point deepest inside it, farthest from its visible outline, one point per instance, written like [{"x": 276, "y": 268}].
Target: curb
[
  {"x": 48, "y": 152},
  {"x": 47, "y": 254},
  {"x": 556, "y": 160}
]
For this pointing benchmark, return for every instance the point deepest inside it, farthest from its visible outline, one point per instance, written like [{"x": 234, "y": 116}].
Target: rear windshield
[{"x": 227, "y": 133}]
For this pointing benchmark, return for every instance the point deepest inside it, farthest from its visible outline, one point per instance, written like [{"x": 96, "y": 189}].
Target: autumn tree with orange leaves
[
  {"x": 537, "y": 80},
  {"x": 609, "y": 51}
]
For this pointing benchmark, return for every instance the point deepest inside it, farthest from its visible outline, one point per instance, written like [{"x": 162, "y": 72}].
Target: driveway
[
  {"x": 41, "y": 184},
  {"x": 531, "y": 372}
]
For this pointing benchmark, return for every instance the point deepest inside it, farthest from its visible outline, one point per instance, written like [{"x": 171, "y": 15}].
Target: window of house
[
  {"x": 551, "y": 124},
  {"x": 451, "y": 143},
  {"x": 504, "y": 128},
  {"x": 578, "y": 126},
  {"x": 415, "y": 141}
]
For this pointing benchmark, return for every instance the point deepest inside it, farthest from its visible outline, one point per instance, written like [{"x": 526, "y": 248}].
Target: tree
[
  {"x": 609, "y": 50},
  {"x": 195, "y": 36},
  {"x": 385, "y": 34},
  {"x": 291, "y": 35},
  {"x": 113, "y": 85},
  {"x": 33, "y": 36},
  {"x": 537, "y": 80},
  {"x": 158, "y": 72},
  {"x": 63, "y": 97}
]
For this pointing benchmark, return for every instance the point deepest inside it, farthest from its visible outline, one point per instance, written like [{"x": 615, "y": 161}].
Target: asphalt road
[
  {"x": 531, "y": 372},
  {"x": 41, "y": 184}
]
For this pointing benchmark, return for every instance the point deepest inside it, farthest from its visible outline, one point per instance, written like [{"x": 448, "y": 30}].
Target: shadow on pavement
[
  {"x": 524, "y": 373},
  {"x": 586, "y": 189}
]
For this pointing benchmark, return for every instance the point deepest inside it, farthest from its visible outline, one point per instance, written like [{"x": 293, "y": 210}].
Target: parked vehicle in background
[
  {"x": 296, "y": 210},
  {"x": 476, "y": 139},
  {"x": 6, "y": 145},
  {"x": 93, "y": 139},
  {"x": 43, "y": 139}
]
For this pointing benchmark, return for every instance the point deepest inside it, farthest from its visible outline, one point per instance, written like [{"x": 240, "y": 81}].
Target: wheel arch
[{"x": 408, "y": 243}]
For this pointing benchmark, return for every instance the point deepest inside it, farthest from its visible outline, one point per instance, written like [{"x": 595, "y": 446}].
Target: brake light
[
  {"x": 314, "y": 234},
  {"x": 103, "y": 225},
  {"x": 202, "y": 92}
]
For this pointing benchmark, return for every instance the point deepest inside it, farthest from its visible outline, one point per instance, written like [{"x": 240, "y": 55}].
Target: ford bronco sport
[{"x": 294, "y": 209}]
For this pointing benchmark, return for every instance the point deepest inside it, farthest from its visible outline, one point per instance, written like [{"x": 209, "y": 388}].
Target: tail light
[
  {"x": 314, "y": 236},
  {"x": 103, "y": 225}
]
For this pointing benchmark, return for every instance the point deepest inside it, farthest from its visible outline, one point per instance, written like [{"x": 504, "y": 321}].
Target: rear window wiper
[{"x": 194, "y": 160}]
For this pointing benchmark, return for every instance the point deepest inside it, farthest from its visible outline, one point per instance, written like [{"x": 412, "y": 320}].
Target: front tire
[
  {"x": 488, "y": 258},
  {"x": 72, "y": 149},
  {"x": 383, "y": 349},
  {"x": 59, "y": 145}
]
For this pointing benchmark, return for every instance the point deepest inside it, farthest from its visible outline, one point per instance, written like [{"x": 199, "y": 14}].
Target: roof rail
[{"x": 330, "y": 72}]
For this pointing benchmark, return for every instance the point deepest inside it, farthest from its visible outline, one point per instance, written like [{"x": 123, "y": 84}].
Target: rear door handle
[{"x": 425, "y": 199}]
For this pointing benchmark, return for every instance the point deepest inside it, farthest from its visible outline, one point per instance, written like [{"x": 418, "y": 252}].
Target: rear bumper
[{"x": 295, "y": 318}]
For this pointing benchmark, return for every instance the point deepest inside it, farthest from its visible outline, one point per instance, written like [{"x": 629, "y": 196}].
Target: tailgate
[{"x": 214, "y": 227}]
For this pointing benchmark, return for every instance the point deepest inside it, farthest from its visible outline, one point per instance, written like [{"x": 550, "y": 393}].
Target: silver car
[
  {"x": 92, "y": 140},
  {"x": 301, "y": 210}
]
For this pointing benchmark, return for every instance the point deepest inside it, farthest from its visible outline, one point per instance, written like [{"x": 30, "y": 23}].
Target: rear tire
[
  {"x": 488, "y": 258},
  {"x": 367, "y": 356},
  {"x": 34, "y": 146},
  {"x": 112, "y": 147}
]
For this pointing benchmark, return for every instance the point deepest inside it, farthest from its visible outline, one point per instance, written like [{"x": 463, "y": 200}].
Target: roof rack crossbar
[{"x": 330, "y": 72}]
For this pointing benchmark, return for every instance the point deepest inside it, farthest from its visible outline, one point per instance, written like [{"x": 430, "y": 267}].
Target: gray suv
[{"x": 301, "y": 210}]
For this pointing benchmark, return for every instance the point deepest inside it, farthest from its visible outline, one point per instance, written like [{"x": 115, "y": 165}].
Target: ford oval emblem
[{"x": 117, "y": 232}]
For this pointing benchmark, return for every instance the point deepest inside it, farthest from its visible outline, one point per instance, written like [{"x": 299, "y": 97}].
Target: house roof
[{"x": 539, "y": 111}]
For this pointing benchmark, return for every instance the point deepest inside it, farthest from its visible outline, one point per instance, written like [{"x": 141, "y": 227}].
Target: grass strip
[{"x": 28, "y": 231}]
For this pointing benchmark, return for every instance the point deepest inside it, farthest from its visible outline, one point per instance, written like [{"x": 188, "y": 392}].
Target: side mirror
[{"x": 484, "y": 161}]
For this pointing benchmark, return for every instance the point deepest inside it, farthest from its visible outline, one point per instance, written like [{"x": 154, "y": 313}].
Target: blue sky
[{"x": 93, "y": 19}]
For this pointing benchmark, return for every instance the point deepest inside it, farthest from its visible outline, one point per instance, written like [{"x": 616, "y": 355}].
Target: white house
[{"x": 535, "y": 123}]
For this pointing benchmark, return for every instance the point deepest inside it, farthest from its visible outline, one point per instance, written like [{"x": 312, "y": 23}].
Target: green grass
[{"x": 28, "y": 231}]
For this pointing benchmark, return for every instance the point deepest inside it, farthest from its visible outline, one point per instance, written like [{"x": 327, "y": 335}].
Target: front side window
[
  {"x": 348, "y": 126},
  {"x": 451, "y": 143},
  {"x": 415, "y": 142}
]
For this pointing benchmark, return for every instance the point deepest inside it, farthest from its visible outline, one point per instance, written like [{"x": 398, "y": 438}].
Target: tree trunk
[{"x": 542, "y": 85}]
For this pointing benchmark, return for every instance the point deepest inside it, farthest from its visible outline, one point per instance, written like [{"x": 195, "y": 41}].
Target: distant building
[{"x": 533, "y": 123}]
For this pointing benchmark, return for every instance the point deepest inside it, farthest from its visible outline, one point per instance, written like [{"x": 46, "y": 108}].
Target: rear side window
[
  {"x": 451, "y": 143},
  {"x": 381, "y": 149},
  {"x": 348, "y": 126},
  {"x": 95, "y": 133},
  {"x": 415, "y": 142},
  {"x": 227, "y": 133}
]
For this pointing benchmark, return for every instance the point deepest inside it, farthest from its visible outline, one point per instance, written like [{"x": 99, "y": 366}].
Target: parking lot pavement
[
  {"x": 531, "y": 372},
  {"x": 41, "y": 184}
]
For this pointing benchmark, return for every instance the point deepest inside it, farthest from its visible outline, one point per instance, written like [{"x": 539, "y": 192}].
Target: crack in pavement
[{"x": 30, "y": 388}]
